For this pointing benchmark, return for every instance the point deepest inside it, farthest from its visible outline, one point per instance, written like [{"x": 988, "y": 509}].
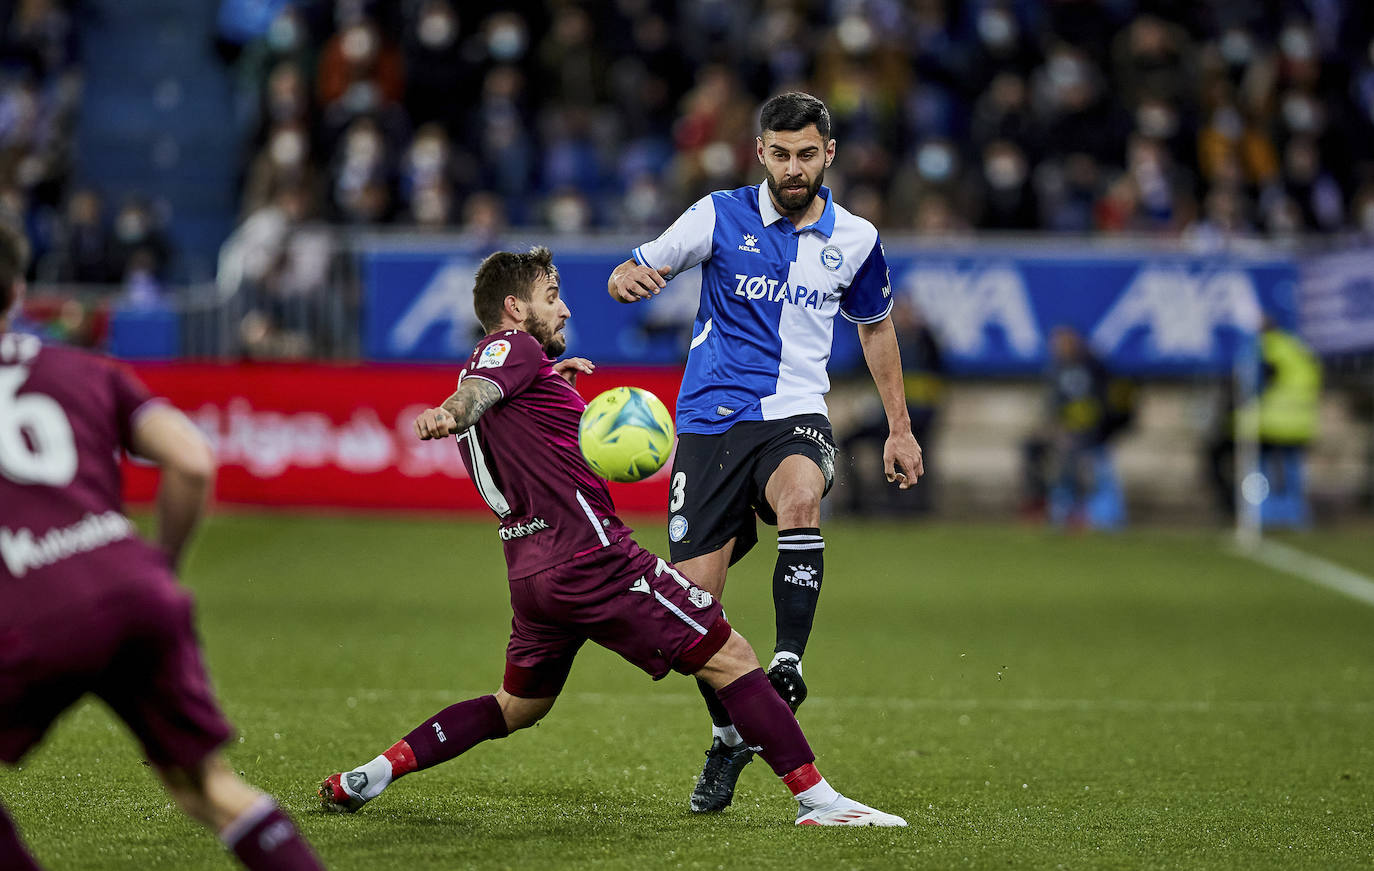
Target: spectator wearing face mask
[
  {"x": 83, "y": 251},
  {"x": 362, "y": 175},
  {"x": 284, "y": 161},
  {"x": 1008, "y": 200},
  {"x": 431, "y": 167},
  {"x": 136, "y": 231},
  {"x": 360, "y": 68},
  {"x": 934, "y": 172},
  {"x": 436, "y": 66},
  {"x": 1079, "y": 113},
  {"x": 360, "y": 75},
  {"x": 1003, "y": 47},
  {"x": 286, "y": 39}
]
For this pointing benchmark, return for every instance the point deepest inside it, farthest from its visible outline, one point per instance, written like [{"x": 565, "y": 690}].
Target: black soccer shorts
[{"x": 718, "y": 482}]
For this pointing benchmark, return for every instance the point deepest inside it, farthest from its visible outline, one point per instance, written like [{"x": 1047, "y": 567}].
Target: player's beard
[
  {"x": 795, "y": 202},
  {"x": 548, "y": 335}
]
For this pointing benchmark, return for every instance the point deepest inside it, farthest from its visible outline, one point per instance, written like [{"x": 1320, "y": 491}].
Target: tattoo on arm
[{"x": 471, "y": 400}]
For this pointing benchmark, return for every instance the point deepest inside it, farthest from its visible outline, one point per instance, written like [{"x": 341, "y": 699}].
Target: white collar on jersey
[{"x": 825, "y": 224}]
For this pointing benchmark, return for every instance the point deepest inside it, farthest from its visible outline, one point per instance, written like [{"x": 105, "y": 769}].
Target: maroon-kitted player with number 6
[{"x": 86, "y": 605}]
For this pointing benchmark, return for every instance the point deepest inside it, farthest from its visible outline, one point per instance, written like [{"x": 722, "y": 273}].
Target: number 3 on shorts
[{"x": 678, "y": 492}]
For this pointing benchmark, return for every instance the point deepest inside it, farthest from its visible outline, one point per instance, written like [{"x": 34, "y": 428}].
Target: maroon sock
[
  {"x": 457, "y": 729},
  {"x": 265, "y": 839},
  {"x": 764, "y": 720},
  {"x": 13, "y": 855}
]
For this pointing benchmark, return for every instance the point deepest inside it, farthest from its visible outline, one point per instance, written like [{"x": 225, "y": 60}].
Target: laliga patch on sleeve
[{"x": 494, "y": 355}]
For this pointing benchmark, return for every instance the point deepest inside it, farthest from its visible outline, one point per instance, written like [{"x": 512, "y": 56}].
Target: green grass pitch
[{"x": 1026, "y": 700}]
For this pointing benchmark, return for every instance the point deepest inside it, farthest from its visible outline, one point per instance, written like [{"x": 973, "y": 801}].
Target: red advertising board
[{"x": 340, "y": 435}]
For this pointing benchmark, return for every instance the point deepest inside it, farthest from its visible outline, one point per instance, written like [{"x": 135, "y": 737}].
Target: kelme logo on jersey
[
  {"x": 832, "y": 258},
  {"x": 751, "y": 244},
  {"x": 677, "y": 527},
  {"x": 761, "y": 287}
]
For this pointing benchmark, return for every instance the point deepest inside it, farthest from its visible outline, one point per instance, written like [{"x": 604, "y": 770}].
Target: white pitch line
[{"x": 1312, "y": 569}]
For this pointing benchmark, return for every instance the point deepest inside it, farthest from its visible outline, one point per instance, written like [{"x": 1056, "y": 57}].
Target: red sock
[
  {"x": 801, "y": 779},
  {"x": 401, "y": 757}
]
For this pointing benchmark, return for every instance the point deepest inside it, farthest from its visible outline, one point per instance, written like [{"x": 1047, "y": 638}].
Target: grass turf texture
[{"x": 1146, "y": 700}]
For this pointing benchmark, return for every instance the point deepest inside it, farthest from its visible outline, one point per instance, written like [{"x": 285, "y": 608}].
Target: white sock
[
  {"x": 818, "y": 796},
  {"x": 378, "y": 773},
  {"x": 729, "y": 734},
  {"x": 782, "y": 655}
]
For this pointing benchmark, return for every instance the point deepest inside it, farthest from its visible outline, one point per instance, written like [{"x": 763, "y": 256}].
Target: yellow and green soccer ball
[{"x": 626, "y": 434}]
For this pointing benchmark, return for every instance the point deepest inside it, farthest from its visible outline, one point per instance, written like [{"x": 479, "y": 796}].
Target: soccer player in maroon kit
[
  {"x": 88, "y": 606},
  {"x": 575, "y": 572}
]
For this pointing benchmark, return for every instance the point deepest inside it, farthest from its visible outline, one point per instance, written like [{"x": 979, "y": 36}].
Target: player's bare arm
[
  {"x": 569, "y": 368},
  {"x": 165, "y": 436},
  {"x": 460, "y": 411},
  {"x": 631, "y": 281},
  {"x": 902, "y": 461}
]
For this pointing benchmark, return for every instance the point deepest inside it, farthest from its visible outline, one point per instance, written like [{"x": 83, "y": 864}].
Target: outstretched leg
[{"x": 449, "y": 733}]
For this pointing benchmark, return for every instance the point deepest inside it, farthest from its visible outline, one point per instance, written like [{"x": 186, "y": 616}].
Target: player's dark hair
[
  {"x": 793, "y": 111},
  {"x": 504, "y": 274},
  {"x": 14, "y": 261}
]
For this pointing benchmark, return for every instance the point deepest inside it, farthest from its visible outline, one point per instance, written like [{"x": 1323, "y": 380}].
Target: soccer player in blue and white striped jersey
[{"x": 779, "y": 260}]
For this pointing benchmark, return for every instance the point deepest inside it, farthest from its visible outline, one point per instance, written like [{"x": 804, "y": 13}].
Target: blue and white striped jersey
[{"x": 769, "y": 295}]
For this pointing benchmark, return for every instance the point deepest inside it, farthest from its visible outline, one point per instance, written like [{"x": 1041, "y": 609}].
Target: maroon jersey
[
  {"x": 64, "y": 415},
  {"x": 523, "y": 456}
]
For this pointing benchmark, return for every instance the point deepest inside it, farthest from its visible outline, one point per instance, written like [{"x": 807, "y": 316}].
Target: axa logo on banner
[
  {"x": 446, "y": 299},
  {"x": 962, "y": 304},
  {"x": 1181, "y": 310}
]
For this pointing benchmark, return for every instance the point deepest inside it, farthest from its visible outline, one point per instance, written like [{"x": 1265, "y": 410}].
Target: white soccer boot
[{"x": 846, "y": 812}]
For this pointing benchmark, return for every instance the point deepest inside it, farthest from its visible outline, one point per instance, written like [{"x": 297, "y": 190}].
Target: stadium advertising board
[
  {"x": 341, "y": 436},
  {"x": 1337, "y": 302},
  {"x": 993, "y": 308}
]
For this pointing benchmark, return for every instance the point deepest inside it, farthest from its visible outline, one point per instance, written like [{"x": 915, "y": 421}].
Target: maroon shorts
[
  {"x": 135, "y": 648},
  {"x": 622, "y": 597}
]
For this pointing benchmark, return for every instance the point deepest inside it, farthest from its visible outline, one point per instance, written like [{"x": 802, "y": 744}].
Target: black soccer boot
[
  {"x": 715, "y": 787},
  {"x": 786, "y": 677}
]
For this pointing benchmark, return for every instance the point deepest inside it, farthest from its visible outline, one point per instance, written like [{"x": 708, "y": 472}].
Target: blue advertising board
[
  {"x": 1337, "y": 302},
  {"x": 992, "y": 307}
]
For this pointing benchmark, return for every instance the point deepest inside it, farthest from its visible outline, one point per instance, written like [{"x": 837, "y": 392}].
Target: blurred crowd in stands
[
  {"x": 1208, "y": 122},
  {"x": 1205, "y": 121},
  {"x": 1200, "y": 120},
  {"x": 77, "y": 237}
]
